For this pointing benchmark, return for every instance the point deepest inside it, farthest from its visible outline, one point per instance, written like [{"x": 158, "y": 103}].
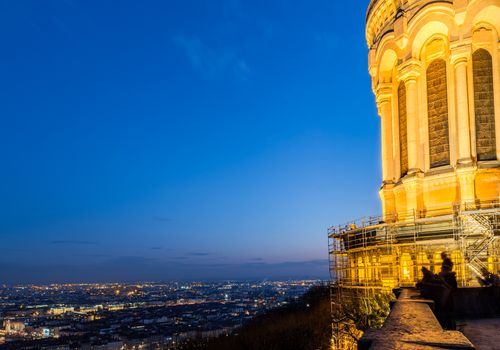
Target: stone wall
[
  {"x": 477, "y": 302},
  {"x": 437, "y": 107},
  {"x": 412, "y": 325},
  {"x": 484, "y": 105},
  {"x": 403, "y": 129}
]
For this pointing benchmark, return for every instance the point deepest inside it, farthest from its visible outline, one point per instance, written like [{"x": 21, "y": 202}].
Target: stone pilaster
[
  {"x": 466, "y": 178},
  {"x": 460, "y": 60},
  {"x": 387, "y": 198},
  {"x": 384, "y": 104},
  {"x": 413, "y": 195},
  {"x": 409, "y": 73}
]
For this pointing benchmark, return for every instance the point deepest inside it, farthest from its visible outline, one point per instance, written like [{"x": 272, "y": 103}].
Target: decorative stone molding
[
  {"x": 410, "y": 70},
  {"x": 380, "y": 14},
  {"x": 450, "y": 117},
  {"x": 392, "y": 15},
  {"x": 384, "y": 93},
  {"x": 460, "y": 52},
  {"x": 460, "y": 7}
]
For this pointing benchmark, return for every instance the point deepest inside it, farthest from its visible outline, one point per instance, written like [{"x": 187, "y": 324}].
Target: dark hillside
[{"x": 304, "y": 325}]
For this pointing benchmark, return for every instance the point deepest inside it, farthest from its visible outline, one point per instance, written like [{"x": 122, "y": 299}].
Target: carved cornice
[
  {"x": 382, "y": 14},
  {"x": 410, "y": 70},
  {"x": 460, "y": 53},
  {"x": 384, "y": 93}
]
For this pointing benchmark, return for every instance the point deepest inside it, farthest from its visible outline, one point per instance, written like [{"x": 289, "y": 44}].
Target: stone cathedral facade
[{"x": 435, "y": 69}]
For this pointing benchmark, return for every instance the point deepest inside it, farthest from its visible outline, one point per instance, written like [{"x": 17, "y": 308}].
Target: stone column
[
  {"x": 409, "y": 72},
  {"x": 384, "y": 104},
  {"x": 465, "y": 172},
  {"x": 412, "y": 122},
  {"x": 462, "y": 102}
]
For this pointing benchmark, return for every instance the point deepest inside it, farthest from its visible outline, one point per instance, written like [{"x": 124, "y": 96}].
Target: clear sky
[{"x": 186, "y": 139}]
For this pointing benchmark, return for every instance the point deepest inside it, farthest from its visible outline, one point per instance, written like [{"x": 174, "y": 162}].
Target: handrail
[{"x": 413, "y": 216}]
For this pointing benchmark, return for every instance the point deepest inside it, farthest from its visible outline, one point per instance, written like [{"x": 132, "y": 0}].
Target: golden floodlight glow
[
  {"x": 437, "y": 88},
  {"x": 435, "y": 69},
  {"x": 435, "y": 73}
]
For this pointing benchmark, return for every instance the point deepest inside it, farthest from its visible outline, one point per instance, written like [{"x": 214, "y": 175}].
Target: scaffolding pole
[{"x": 376, "y": 254}]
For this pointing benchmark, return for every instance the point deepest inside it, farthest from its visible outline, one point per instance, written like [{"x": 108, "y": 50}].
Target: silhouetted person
[
  {"x": 449, "y": 279},
  {"x": 433, "y": 287},
  {"x": 428, "y": 275},
  {"x": 440, "y": 288},
  {"x": 447, "y": 264}
]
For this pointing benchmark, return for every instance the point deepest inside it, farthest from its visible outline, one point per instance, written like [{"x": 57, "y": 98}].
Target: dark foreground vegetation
[{"x": 304, "y": 324}]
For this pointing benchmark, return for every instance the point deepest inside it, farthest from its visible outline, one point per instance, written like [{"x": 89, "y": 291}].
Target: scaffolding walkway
[{"x": 377, "y": 254}]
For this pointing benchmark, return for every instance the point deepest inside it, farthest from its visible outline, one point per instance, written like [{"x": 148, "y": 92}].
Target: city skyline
[
  {"x": 160, "y": 315},
  {"x": 182, "y": 140}
]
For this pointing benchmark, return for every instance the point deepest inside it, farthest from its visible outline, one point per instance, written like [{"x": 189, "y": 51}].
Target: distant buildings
[
  {"x": 11, "y": 327},
  {"x": 155, "y": 315}
]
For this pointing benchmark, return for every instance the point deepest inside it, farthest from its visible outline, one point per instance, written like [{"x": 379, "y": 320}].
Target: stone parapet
[{"x": 412, "y": 325}]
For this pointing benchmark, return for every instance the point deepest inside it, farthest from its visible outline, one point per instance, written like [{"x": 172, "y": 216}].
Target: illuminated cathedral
[{"x": 435, "y": 69}]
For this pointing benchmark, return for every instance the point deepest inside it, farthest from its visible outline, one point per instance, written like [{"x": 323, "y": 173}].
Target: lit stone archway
[{"x": 435, "y": 68}]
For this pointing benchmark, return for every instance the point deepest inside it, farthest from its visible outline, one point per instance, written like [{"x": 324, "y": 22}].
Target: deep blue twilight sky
[{"x": 186, "y": 139}]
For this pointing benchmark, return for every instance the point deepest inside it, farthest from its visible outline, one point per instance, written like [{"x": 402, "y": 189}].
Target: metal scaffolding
[{"x": 377, "y": 254}]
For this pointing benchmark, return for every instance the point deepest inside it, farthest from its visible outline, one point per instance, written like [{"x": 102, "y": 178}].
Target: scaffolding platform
[{"x": 377, "y": 254}]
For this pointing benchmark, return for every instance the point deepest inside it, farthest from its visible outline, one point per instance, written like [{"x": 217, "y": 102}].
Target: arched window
[
  {"x": 483, "y": 105},
  {"x": 437, "y": 109},
  {"x": 403, "y": 129}
]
